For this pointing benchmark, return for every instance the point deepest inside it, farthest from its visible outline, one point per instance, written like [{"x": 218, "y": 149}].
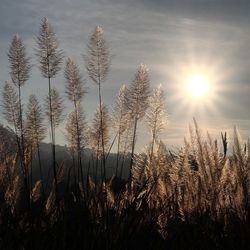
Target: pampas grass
[{"x": 194, "y": 198}]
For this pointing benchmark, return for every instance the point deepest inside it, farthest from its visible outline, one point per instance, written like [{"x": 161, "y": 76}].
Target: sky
[{"x": 175, "y": 39}]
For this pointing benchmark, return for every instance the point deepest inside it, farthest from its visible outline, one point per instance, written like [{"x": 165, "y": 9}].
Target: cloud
[{"x": 163, "y": 34}]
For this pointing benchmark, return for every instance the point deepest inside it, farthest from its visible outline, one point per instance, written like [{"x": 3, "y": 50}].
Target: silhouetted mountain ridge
[{"x": 8, "y": 146}]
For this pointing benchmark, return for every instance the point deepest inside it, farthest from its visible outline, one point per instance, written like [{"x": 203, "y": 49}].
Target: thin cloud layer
[{"x": 165, "y": 35}]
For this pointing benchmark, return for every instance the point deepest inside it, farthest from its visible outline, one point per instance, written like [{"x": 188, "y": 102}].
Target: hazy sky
[{"x": 174, "y": 38}]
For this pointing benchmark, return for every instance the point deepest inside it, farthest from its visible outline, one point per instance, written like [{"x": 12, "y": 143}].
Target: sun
[{"x": 197, "y": 86}]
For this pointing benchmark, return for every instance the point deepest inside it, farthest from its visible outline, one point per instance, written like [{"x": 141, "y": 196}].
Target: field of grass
[{"x": 106, "y": 195}]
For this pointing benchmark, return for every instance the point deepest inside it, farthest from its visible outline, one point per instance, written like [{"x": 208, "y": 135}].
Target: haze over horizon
[{"x": 175, "y": 39}]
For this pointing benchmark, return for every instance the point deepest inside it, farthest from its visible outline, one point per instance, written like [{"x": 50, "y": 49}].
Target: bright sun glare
[{"x": 197, "y": 86}]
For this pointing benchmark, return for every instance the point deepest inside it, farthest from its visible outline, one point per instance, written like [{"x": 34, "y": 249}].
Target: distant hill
[
  {"x": 8, "y": 147},
  {"x": 7, "y": 142},
  {"x": 63, "y": 157}
]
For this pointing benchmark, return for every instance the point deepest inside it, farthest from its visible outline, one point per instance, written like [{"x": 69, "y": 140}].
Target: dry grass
[{"x": 194, "y": 199}]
